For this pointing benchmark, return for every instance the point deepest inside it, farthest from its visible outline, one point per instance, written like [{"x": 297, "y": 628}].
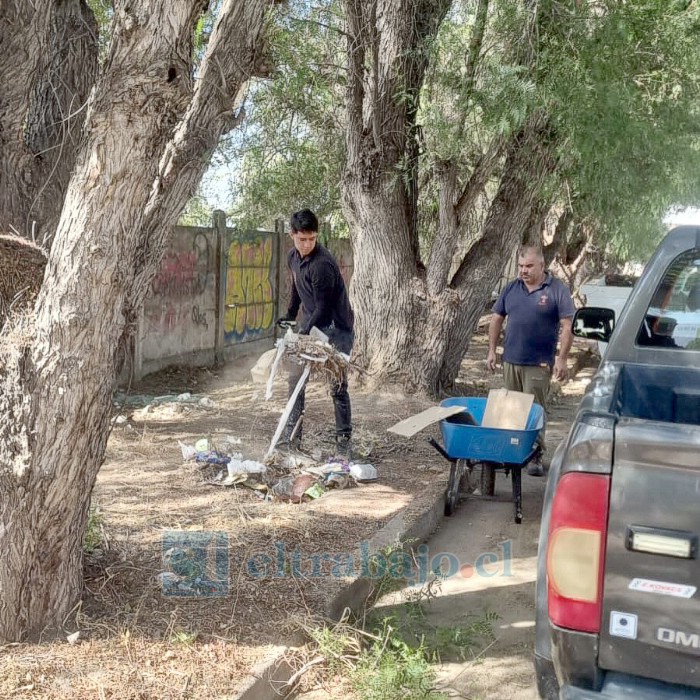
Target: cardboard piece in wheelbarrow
[
  {"x": 508, "y": 410},
  {"x": 504, "y": 409},
  {"x": 414, "y": 424}
]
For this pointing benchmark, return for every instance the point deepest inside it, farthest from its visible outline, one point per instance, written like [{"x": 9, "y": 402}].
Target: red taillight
[{"x": 576, "y": 551}]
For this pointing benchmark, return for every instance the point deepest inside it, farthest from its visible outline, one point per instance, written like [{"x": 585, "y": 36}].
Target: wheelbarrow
[{"x": 471, "y": 446}]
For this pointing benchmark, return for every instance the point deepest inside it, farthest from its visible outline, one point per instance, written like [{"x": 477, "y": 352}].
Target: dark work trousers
[{"x": 341, "y": 341}]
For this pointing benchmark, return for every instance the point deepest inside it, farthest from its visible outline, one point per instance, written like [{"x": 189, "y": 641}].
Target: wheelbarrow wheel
[
  {"x": 457, "y": 470},
  {"x": 488, "y": 479}
]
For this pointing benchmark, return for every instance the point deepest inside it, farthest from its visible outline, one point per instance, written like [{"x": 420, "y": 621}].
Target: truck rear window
[{"x": 673, "y": 317}]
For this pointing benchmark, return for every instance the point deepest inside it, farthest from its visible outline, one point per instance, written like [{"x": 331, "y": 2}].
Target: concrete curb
[{"x": 267, "y": 678}]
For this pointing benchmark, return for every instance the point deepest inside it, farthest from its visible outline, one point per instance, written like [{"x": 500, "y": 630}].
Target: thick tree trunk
[
  {"x": 414, "y": 323},
  {"x": 43, "y": 91},
  {"x": 57, "y": 368},
  {"x": 418, "y": 338},
  {"x": 388, "y": 52},
  {"x": 529, "y": 162}
]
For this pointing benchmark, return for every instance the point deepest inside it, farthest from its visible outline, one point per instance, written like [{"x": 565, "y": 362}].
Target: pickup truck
[{"x": 617, "y": 603}]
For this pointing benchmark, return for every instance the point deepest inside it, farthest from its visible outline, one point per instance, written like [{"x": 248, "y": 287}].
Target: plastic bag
[
  {"x": 245, "y": 466},
  {"x": 364, "y": 472}
]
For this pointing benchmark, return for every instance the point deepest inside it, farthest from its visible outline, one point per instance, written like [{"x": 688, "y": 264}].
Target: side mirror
[{"x": 594, "y": 323}]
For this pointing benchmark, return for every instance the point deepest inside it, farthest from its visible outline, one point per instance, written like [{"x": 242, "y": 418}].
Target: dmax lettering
[{"x": 683, "y": 639}]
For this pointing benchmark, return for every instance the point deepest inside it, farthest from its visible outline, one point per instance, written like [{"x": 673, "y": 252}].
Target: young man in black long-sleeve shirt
[{"x": 319, "y": 290}]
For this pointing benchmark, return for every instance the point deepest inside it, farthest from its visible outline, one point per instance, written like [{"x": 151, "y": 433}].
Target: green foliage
[
  {"x": 103, "y": 11},
  {"x": 291, "y": 149},
  {"x": 198, "y": 212},
  {"x": 622, "y": 88},
  {"x": 379, "y": 665},
  {"x": 204, "y": 28},
  {"x": 392, "y": 657},
  {"x": 391, "y": 669},
  {"x": 618, "y": 82},
  {"x": 94, "y": 531}
]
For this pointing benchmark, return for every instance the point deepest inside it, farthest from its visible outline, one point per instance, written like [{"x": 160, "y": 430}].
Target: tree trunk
[
  {"x": 388, "y": 50},
  {"x": 418, "y": 338},
  {"x": 55, "y": 44},
  {"x": 529, "y": 162},
  {"x": 414, "y": 323},
  {"x": 57, "y": 368}
]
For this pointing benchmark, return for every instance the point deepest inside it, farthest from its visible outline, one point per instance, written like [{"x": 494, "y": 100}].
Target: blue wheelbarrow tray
[{"x": 499, "y": 445}]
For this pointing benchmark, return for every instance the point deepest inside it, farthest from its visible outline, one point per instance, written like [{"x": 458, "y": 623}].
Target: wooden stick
[
  {"x": 288, "y": 408},
  {"x": 281, "y": 346}
]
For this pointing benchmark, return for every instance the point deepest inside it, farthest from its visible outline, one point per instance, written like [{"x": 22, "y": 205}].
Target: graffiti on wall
[
  {"x": 184, "y": 273},
  {"x": 250, "y": 295},
  {"x": 181, "y": 279}
]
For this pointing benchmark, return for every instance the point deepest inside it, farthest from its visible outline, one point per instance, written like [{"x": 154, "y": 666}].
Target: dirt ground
[{"x": 140, "y": 637}]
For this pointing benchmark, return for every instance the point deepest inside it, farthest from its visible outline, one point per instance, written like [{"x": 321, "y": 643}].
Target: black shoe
[
  {"x": 343, "y": 447},
  {"x": 535, "y": 469}
]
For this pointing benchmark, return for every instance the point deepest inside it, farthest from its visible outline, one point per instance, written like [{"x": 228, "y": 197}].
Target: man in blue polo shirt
[{"x": 537, "y": 306}]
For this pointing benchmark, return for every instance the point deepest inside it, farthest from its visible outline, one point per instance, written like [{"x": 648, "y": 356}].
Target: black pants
[{"x": 341, "y": 341}]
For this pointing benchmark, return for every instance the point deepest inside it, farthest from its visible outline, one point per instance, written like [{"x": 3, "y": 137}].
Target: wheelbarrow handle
[{"x": 441, "y": 450}]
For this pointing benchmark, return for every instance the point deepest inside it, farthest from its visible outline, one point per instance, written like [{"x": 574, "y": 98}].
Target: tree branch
[
  {"x": 454, "y": 210},
  {"x": 476, "y": 41},
  {"x": 229, "y": 63}
]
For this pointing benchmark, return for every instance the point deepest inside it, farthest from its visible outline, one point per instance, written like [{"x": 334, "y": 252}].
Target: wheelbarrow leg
[
  {"x": 518, "y": 494},
  {"x": 457, "y": 471}
]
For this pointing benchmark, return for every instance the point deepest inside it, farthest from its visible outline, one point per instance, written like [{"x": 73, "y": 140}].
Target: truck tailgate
[{"x": 651, "y": 605}]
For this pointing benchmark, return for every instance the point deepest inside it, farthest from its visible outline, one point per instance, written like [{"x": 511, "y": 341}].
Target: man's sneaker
[
  {"x": 343, "y": 447},
  {"x": 535, "y": 468}
]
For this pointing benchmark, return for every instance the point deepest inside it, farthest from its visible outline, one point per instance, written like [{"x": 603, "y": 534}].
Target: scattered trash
[
  {"x": 293, "y": 488},
  {"x": 261, "y": 370},
  {"x": 337, "y": 480},
  {"x": 297, "y": 462},
  {"x": 188, "y": 451},
  {"x": 283, "y": 488},
  {"x": 206, "y": 402},
  {"x": 308, "y": 479},
  {"x": 300, "y": 485},
  {"x": 234, "y": 479},
  {"x": 184, "y": 397},
  {"x": 73, "y": 638},
  {"x": 120, "y": 420}
]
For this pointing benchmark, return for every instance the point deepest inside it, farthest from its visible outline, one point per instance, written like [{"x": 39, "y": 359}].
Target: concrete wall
[
  {"x": 218, "y": 294},
  {"x": 179, "y": 314}
]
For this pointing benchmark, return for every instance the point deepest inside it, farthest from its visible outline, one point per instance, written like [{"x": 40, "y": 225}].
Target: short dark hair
[
  {"x": 304, "y": 220},
  {"x": 531, "y": 249}
]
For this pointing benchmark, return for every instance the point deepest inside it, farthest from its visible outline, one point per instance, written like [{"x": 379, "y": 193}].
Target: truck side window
[{"x": 673, "y": 317}]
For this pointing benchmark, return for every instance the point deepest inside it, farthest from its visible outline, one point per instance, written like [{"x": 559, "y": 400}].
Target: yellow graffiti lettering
[{"x": 250, "y": 304}]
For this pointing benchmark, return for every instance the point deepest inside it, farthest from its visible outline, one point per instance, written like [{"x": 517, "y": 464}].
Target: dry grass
[{"x": 138, "y": 642}]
